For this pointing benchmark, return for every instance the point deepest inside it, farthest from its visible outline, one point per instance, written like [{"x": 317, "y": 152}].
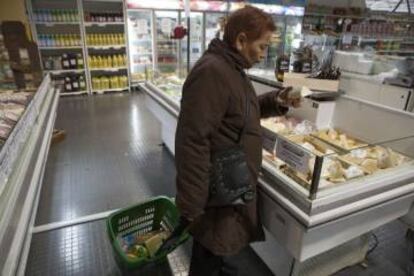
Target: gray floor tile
[{"x": 112, "y": 158}]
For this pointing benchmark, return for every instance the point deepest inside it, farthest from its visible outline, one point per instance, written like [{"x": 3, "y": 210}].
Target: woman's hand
[
  {"x": 183, "y": 226},
  {"x": 290, "y": 97}
]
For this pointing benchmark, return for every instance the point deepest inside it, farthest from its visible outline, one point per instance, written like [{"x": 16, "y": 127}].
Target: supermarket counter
[{"x": 321, "y": 228}]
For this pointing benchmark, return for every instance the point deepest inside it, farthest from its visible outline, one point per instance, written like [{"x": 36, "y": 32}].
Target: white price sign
[
  {"x": 293, "y": 155},
  {"x": 347, "y": 39},
  {"x": 142, "y": 26},
  {"x": 166, "y": 25}
]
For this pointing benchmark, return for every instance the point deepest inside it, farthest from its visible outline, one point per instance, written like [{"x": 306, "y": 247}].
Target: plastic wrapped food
[
  {"x": 22, "y": 98},
  {"x": 339, "y": 139},
  {"x": 142, "y": 245},
  {"x": 286, "y": 125},
  {"x": 5, "y": 129}
]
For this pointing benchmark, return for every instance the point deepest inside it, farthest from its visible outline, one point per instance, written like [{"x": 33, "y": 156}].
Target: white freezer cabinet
[{"x": 22, "y": 165}]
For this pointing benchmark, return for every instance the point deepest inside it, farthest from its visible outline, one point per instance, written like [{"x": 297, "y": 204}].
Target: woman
[{"x": 212, "y": 115}]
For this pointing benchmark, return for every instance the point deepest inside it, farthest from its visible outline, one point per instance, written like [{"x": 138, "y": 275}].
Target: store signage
[
  {"x": 195, "y": 5},
  {"x": 293, "y": 155},
  {"x": 271, "y": 8}
]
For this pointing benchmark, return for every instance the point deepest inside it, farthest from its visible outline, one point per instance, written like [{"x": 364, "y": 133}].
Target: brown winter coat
[{"x": 211, "y": 117}]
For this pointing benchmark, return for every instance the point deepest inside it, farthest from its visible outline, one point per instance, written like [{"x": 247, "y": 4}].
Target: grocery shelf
[
  {"x": 371, "y": 17},
  {"x": 110, "y": 69},
  {"x": 57, "y": 72},
  {"x": 73, "y": 93},
  {"x": 55, "y": 23},
  {"x": 106, "y": 47},
  {"x": 109, "y": 90},
  {"x": 59, "y": 47},
  {"x": 103, "y": 24}
]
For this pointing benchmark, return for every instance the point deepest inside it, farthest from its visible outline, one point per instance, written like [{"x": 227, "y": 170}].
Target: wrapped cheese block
[
  {"x": 353, "y": 172},
  {"x": 286, "y": 125},
  {"x": 370, "y": 165}
]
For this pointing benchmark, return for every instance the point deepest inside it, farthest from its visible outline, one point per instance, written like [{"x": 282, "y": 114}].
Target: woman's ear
[{"x": 241, "y": 41}]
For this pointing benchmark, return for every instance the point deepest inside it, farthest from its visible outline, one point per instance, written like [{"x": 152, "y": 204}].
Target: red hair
[{"x": 250, "y": 20}]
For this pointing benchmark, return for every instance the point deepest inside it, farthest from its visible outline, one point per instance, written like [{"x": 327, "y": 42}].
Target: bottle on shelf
[
  {"x": 79, "y": 60},
  {"x": 68, "y": 85},
  {"x": 73, "y": 61},
  {"x": 65, "y": 62},
  {"x": 82, "y": 83},
  {"x": 105, "y": 82},
  {"x": 282, "y": 66},
  {"x": 110, "y": 62},
  {"x": 75, "y": 84},
  {"x": 57, "y": 62}
]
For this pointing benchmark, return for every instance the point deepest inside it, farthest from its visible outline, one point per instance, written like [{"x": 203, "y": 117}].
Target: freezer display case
[
  {"x": 171, "y": 87},
  {"x": 23, "y": 159},
  {"x": 167, "y": 50},
  {"x": 276, "y": 45},
  {"x": 196, "y": 40},
  {"x": 328, "y": 176},
  {"x": 140, "y": 44},
  {"x": 213, "y": 27}
]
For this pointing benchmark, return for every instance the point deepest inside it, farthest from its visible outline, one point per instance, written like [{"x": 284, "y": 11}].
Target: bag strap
[{"x": 246, "y": 117}]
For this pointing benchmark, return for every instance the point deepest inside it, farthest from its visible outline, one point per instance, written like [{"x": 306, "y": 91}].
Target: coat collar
[{"x": 230, "y": 54}]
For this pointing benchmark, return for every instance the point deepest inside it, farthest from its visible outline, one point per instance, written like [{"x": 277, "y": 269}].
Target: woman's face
[{"x": 253, "y": 51}]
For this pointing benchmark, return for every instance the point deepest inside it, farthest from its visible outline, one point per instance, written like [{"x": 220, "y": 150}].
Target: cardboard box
[{"x": 24, "y": 55}]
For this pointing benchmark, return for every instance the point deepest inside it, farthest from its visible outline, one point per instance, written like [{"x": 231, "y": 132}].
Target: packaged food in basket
[{"x": 144, "y": 245}]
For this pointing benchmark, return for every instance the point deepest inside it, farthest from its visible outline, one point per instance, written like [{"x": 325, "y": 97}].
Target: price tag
[
  {"x": 269, "y": 140},
  {"x": 293, "y": 155},
  {"x": 347, "y": 39},
  {"x": 142, "y": 26},
  {"x": 166, "y": 25}
]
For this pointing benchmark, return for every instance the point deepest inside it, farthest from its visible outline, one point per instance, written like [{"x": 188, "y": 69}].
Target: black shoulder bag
[{"x": 230, "y": 177}]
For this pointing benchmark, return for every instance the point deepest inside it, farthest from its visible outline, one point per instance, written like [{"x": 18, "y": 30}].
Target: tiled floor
[{"x": 112, "y": 158}]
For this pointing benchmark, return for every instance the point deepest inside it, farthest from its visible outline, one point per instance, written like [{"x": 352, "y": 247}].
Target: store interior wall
[{"x": 14, "y": 10}]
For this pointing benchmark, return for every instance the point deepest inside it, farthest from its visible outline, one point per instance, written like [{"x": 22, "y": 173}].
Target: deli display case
[{"x": 328, "y": 176}]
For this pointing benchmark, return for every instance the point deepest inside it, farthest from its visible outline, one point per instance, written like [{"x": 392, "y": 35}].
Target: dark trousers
[{"x": 205, "y": 263}]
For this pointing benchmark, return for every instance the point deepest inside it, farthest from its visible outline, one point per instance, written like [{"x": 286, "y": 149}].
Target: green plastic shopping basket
[{"x": 142, "y": 218}]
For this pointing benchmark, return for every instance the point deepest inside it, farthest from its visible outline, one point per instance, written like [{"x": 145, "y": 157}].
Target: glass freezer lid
[{"x": 323, "y": 160}]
